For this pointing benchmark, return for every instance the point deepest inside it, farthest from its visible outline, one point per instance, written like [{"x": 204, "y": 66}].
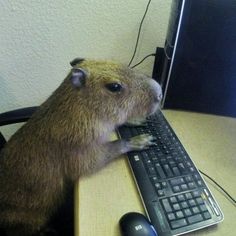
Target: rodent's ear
[
  {"x": 78, "y": 77},
  {"x": 76, "y": 61}
]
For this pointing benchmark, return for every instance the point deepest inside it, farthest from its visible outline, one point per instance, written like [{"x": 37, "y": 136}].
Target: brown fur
[{"x": 66, "y": 138}]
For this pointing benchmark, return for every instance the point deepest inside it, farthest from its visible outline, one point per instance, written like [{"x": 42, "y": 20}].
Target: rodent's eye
[{"x": 114, "y": 87}]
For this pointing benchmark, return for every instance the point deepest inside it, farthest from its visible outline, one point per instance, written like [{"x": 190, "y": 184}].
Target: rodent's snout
[
  {"x": 158, "y": 96},
  {"x": 156, "y": 89}
]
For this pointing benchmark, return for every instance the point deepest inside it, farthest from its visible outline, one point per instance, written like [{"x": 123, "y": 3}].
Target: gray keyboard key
[
  {"x": 195, "y": 218},
  {"x": 166, "y": 205},
  {"x": 178, "y": 223}
]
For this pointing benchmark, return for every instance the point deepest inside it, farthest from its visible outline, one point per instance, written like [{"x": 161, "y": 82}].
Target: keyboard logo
[
  {"x": 138, "y": 227},
  {"x": 136, "y": 158}
]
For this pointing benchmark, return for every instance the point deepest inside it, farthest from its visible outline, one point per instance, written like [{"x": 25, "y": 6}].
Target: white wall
[{"x": 39, "y": 38}]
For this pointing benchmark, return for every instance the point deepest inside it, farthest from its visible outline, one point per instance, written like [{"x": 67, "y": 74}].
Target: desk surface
[{"x": 102, "y": 198}]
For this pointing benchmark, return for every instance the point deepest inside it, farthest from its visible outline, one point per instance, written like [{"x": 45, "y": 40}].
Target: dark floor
[{"x": 62, "y": 223}]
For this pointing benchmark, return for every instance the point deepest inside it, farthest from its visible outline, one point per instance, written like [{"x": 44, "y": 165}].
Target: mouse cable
[
  {"x": 152, "y": 54},
  {"x": 232, "y": 199},
  {"x": 139, "y": 31}
]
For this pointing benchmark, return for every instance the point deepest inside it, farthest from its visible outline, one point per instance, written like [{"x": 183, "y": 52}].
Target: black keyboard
[{"x": 175, "y": 196}]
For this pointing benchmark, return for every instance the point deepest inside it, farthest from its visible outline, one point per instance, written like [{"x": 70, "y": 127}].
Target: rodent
[{"x": 69, "y": 136}]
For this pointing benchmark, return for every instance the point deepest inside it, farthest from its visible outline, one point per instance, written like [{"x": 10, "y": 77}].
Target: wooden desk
[{"x": 210, "y": 141}]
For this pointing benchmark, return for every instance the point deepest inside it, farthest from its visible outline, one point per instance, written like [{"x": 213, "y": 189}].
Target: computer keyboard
[{"x": 175, "y": 196}]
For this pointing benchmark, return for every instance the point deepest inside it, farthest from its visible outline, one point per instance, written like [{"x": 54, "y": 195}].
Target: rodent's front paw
[
  {"x": 136, "y": 122},
  {"x": 141, "y": 142}
]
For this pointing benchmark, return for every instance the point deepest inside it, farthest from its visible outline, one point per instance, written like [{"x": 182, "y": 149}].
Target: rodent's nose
[
  {"x": 157, "y": 91},
  {"x": 158, "y": 97}
]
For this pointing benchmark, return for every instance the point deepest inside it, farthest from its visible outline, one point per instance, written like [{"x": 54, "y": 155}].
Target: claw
[
  {"x": 141, "y": 142},
  {"x": 136, "y": 122}
]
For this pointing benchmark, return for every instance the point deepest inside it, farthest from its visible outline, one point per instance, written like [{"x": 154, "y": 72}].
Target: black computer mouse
[{"x": 136, "y": 224}]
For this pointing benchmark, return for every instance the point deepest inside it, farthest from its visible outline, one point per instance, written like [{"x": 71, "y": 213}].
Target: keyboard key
[
  {"x": 175, "y": 154},
  {"x": 199, "y": 183},
  {"x": 184, "y": 204},
  {"x": 176, "y": 171},
  {"x": 177, "y": 181},
  {"x": 154, "y": 179},
  {"x": 196, "y": 193},
  {"x": 188, "y": 195},
  {"x": 182, "y": 168},
  {"x": 195, "y": 218},
  {"x": 176, "y": 206},
  {"x": 184, "y": 187},
  {"x": 178, "y": 223},
  {"x": 207, "y": 215},
  {"x": 161, "y": 193},
  {"x": 192, "y": 169},
  {"x": 188, "y": 163},
  {"x": 187, "y": 212},
  {"x": 192, "y": 202},
  {"x": 181, "y": 197},
  {"x": 195, "y": 210},
  {"x": 164, "y": 184},
  {"x": 163, "y": 160},
  {"x": 168, "y": 170},
  {"x": 188, "y": 179},
  {"x": 191, "y": 185},
  {"x": 148, "y": 162},
  {"x": 171, "y": 162},
  {"x": 199, "y": 200},
  {"x": 176, "y": 189},
  {"x": 145, "y": 156},
  {"x": 203, "y": 208},
  {"x": 197, "y": 176},
  {"x": 173, "y": 199},
  {"x": 166, "y": 205},
  {"x": 154, "y": 159},
  {"x": 151, "y": 171},
  {"x": 158, "y": 186},
  {"x": 159, "y": 170},
  {"x": 179, "y": 214},
  {"x": 171, "y": 216}
]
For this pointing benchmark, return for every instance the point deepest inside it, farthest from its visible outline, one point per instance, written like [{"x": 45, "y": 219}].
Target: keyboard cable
[
  {"x": 139, "y": 31},
  {"x": 229, "y": 196}
]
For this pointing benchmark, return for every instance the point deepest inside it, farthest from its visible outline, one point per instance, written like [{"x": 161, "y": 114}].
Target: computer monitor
[{"x": 197, "y": 67}]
